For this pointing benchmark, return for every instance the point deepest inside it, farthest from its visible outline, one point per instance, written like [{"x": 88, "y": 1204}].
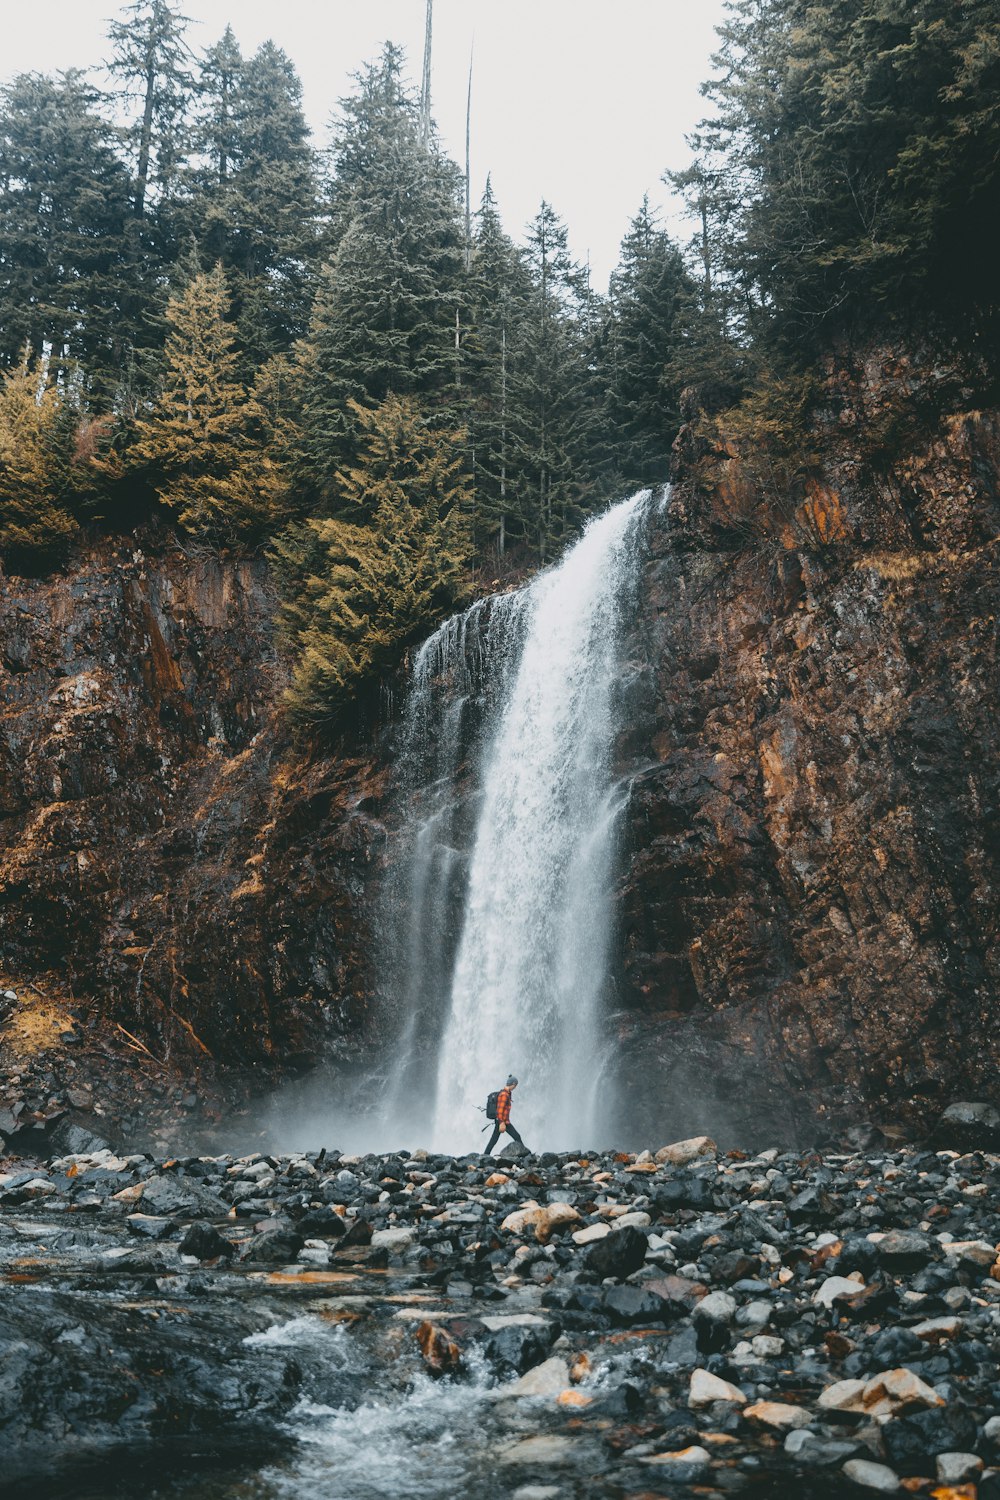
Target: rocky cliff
[
  {"x": 809, "y": 898},
  {"x": 811, "y": 902},
  {"x": 175, "y": 882}
]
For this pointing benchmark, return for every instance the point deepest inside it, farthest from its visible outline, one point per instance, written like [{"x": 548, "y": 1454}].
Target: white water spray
[{"x": 532, "y": 956}]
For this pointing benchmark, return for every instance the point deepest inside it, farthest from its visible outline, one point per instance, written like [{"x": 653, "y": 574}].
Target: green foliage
[
  {"x": 638, "y": 340},
  {"x": 36, "y": 447},
  {"x": 63, "y": 211},
  {"x": 850, "y": 172},
  {"x": 253, "y": 199},
  {"x": 209, "y": 445},
  {"x": 360, "y": 587},
  {"x": 386, "y": 305}
]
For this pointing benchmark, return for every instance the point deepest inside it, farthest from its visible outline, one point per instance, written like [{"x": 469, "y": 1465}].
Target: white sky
[{"x": 583, "y": 102}]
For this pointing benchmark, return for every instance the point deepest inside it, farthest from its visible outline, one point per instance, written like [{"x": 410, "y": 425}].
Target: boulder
[
  {"x": 777, "y": 1415},
  {"x": 205, "y": 1242},
  {"x": 681, "y": 1152},
  {"x": 968, "y": 1127},
  {"x": 550, "y": 1378},
  {"x": 706, "y": 1388},
  {"x": 517, "y": 1347},
  {"x": 871, "y": 1476},
  {"x": 618, "y": 1254}
]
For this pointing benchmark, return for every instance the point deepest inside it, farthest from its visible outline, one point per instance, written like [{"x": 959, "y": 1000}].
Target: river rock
[
  {"x": 958, "y": 1468},
  {"x": 619, "y": 1254},
  {"x": 177, "y": 1197},
  {"x": 871, "y": 1476},
  {"x": 778, "y": 1415},
  {"x": 680, "y": 1153},
  {"x": 515, "y": 1348},
  {"x": 590, "y": 1234},
  {"x": 706, "y": 1388},
  {"x": 394, "y": 1241},
  {"x": 550, "y": 1378},
  {"x": 274, "y": 1247},
  {"x": 549, "y": 1448},
  {"x": 204, "y": 1242}
]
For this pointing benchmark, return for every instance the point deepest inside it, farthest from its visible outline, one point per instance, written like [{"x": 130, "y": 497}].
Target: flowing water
[{"x": 514, "y": 705}]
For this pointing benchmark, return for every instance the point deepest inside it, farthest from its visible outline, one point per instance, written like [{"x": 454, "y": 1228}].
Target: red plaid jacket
[{"x": 503, "y": 1106}]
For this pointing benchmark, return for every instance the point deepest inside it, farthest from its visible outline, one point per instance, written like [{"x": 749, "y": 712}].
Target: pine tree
[
  {"x": 36, "y": 527},
  {"x": 384, "y": 319},
  {"x": 255, "y": 198},
  {"x": 63, "y": 211},
  {"x": 851, "y": 166},
  {"x": 151, "y": 58},
  {"x": 358, "y": 590},
  {"x": 553, "y": 420},
  {"x": 499, "y": 292},
  {"x": 637, "y": 339},
  {"x": 205, "y": 444}
]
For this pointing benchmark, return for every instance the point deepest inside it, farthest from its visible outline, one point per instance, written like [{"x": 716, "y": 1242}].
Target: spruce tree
[
  {"x": 358, "y": 590},
  {"x": 499, "y": 293},
  {"x": 254, "y": 197},
  {"x": 63, "y": 211},
  {"x": 384, "y": 318},
  {"x": 205, "y": 443},
  {"x": 553, "y": 419},
  {"x": 36, "y": 527},
  {"x": 638, "y": 337},
  {"x": 151, "y": 58}
]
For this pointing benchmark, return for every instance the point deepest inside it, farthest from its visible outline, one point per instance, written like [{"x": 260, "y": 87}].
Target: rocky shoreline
[{"x": 678, "y": 1321}]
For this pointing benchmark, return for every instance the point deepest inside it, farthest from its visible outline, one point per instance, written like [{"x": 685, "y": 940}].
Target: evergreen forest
[{"x": 216, "y": 327}]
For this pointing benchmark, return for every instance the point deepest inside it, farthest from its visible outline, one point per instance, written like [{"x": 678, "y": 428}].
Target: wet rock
[
  {"x": 442, "y": 1354},
  {"x": 912, "y": 1439},
  {"x": 546, "y": 1449},
  {"x": 683, "y": 1465},
  {"x": 76, "y": 1140},
  {"x": 630, "y": 1305},
  {"x": 205, "y": 1243},
  {"x": 394, "y": 1241},
  {"x": 550, "y": 1378},
  {"x": 906, "y": 1249},
  {"x": 837, "y": 1289},
  {"x": 513, "y": 1349},
  {"x": 322, "y": 1223},
  {"x": 274, "y": 1247},
  {"x": 619, "y": 1254},
  {"x": 150, "y": 1226},
  {"x": 177, "y": 1197}
]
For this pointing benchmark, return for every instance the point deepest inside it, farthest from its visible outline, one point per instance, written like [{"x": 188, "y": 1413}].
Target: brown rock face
[
  {"x": 811, "y": 901},
  {"x": 808, "y": 900},
  {"x": 161, "y": 848}
]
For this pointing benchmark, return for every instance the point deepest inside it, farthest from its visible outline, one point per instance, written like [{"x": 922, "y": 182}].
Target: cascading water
[{"x": 515, "y": 940}]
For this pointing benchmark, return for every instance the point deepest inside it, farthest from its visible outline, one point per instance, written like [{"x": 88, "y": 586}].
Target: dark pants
[{"x": 496, "y": 1136}]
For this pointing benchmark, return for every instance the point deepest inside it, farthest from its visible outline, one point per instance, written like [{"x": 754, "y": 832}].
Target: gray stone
[
  {"x": 958, "y": 1468},
  {"x": 872, "y": 1476}
]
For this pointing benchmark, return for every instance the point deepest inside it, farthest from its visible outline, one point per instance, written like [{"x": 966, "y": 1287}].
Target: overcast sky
[{"x": 583, "y": 102}]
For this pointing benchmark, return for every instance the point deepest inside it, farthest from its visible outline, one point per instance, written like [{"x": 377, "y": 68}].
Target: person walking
[{"x": 502, "y": 1125}]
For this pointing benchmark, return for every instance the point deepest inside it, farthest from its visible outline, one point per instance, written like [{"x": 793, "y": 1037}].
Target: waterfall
[{"x": 503, "y": 952}]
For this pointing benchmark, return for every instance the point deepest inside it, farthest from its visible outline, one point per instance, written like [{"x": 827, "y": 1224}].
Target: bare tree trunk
[
  {"x": 503, "y": 439},
  {"x": 468, "y": 191},
  {"x": 146, "y": 138},
  {"x": 425, "y": 87}
]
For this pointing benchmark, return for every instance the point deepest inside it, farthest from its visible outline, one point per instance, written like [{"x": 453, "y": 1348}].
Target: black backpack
[{"x": 491, "y": 1105}]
